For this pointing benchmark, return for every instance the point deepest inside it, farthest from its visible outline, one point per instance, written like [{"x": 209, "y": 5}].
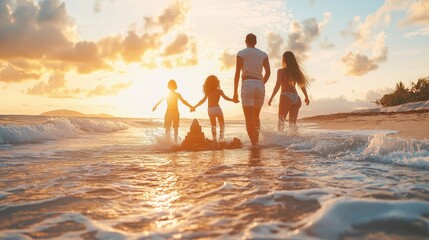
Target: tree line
[{"x": 417, "y": 92}]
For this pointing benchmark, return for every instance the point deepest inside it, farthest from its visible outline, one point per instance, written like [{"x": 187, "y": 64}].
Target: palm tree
[
  {"x": 400, "y": 88},
  {"x": 419, "y": 92}
]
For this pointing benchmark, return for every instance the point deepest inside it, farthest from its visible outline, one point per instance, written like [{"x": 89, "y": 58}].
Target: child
[
  {"x": 172, "y": 114},
  {"x": 212, "y": 91}
]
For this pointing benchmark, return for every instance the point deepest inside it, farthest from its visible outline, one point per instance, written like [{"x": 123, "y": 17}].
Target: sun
[{"x": 148, "y": 86}]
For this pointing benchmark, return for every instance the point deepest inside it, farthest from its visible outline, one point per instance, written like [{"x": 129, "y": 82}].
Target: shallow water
[{"x": 114, "y": 179}]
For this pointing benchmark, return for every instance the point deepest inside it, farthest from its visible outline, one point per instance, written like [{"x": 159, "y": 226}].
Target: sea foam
[
  {"x": 376, "y": 146},
  {"x": 346, "y": 216},
  {"x": 55, "y": 128}
]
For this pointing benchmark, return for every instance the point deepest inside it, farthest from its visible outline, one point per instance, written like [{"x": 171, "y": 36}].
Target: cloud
[
  {"x": 275, "y": 45},
  {"x": 190, "y": 58},
  {"x": 359, "y": 64},
  {"x": 134, "y": 47},
  {"x": 172, "y": 16},
  {"x": 86, "y": 53},
  {"x": 419, "y": 32},
  {"x": 302, "y": 35},
  {"x": 178, "y": 46},
  {"x": 368, "y": 37},
  {"x": 33, "y": 30},
  {"x": 334, "y": 105},
  {"x": 12, "y": 74},
  {"x": 299, "y": 39},
  {"x": 331, "y": 81},
  {"x": 43, "y": 32},
  {"x": 379, "y": 50},
  {"x": 418, "y": 13},
  {"x": 228, "y": 60},
  {"x": 329, "y": 106},
  {"x": 351, "y": 26},
  {"x": 326, "y": 45},
  {"x": 102, "y": 90},
  {"x": 326, "y": 18},
  {"x": 375, "y": 94},
  {"x": 56, "y": 87},
  {"x": 381, "y": 17},
  {"x": 97, "y": 6}
]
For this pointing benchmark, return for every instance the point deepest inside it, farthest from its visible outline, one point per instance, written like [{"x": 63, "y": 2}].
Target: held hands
[
  {"x": 192, "y": 109},
  {"x": 235, "y": 98}
]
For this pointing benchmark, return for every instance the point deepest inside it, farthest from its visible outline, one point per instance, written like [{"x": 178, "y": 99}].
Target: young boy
[{"x": 172, "y": 115}]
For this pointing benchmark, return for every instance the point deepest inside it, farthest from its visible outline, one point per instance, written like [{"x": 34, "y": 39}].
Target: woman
[{"x": 288, "y": 77}]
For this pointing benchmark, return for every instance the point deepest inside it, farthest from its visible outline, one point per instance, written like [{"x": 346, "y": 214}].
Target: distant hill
[{"x": 70, "y": 113}]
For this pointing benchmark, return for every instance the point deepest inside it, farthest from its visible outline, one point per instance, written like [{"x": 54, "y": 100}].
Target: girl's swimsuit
[{"x": 215, "y": 111}]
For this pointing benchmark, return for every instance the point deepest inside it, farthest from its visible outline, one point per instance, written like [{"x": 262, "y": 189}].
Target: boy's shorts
[
  {"x": 171, "y": 117},
  {"x": 252, "y": 93}
]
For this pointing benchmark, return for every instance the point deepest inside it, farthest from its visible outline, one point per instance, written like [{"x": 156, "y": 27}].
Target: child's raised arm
[
  {"x": 201, "y": 101},
  {"x": 156, "y": 105},
  {"x": 184, "y": 101},
  {"x": 228, "y": 98}
]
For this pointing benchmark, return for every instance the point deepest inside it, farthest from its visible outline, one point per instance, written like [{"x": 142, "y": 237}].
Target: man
[{"x": 250, "y": 62}]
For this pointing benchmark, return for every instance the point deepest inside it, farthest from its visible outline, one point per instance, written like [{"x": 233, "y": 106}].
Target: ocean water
[{"x": 82, "y": 178}]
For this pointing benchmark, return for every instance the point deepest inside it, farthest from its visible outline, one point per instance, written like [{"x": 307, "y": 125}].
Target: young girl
[
  {"x": 212, "y": 92},
  {"x": 287, "y": 78},
  {"x": 172, "y": 115}
]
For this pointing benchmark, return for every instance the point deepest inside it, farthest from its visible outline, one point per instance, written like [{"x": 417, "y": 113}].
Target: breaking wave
[
  {"x": 55, "y": 128},
  {"x": 376, "y": 146}
]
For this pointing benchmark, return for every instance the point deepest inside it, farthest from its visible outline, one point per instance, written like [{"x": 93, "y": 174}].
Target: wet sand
[{"x": 411, "y": 124}]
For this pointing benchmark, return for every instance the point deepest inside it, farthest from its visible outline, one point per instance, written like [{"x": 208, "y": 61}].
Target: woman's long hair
[
  {"x": 293, "y": 70},
  {"x": 211, "y": 84}
]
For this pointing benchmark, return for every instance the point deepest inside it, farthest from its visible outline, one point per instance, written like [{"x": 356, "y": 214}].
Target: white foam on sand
[{"x": 343, "y": 216}]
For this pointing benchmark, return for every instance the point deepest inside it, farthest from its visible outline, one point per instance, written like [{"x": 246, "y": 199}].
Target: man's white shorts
[{"x": 252, "y": 93}]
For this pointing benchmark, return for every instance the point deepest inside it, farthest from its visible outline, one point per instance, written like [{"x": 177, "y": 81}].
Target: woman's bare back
[{"x": 288, "y": 84}]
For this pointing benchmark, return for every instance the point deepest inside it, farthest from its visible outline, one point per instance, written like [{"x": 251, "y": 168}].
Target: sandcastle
[
  {"x": 195, "y": 140},
  {"x": 195, "y": 136}
]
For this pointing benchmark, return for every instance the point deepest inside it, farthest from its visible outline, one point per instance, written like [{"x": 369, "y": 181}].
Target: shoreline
[{"x": 409, "y": 124}]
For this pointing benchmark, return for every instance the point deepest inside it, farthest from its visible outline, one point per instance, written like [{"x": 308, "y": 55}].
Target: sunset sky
[{"x": 116, "y": 56}]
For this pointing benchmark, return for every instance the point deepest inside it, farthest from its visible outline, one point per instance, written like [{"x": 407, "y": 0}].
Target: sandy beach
[
  {"x": 87, "y": 178},
  {"x": 410, "y": 124}
]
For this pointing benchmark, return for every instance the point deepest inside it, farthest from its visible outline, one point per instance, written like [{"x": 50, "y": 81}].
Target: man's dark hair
[{"x": 251, "y": 39}]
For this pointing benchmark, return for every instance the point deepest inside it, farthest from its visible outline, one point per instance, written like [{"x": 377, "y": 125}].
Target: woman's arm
[
  {"x": 228, "y": 98},
  {"x": 304, "y": 90},
  {"x": 156, "y": 105},
  {"x": 277, "y": 87},
  {"x": 201, "y": 101}
]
